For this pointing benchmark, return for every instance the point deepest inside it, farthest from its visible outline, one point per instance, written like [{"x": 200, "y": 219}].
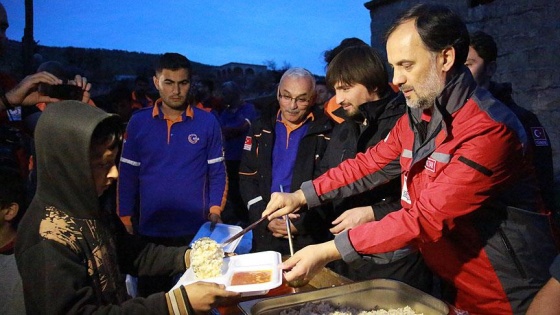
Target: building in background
[{"x": 527, "y": 33}]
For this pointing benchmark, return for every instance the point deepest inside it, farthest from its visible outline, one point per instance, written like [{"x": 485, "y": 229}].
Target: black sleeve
[
  {"x": 249, "y": 179},
  {"x": 140, "y": 258},
  {"x": 56, "y": 281}
]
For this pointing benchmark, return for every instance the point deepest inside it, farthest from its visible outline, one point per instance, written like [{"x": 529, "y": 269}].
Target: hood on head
[{"x": 62, "y": 142}]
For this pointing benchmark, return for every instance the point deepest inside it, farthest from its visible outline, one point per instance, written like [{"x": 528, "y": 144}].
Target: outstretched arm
[{"x": 26, "y": 94}]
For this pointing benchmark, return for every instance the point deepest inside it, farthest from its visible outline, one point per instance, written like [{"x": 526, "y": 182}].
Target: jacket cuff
[
  {"x": 345, "y": 248},
  {"x": 178, "y": 302},
  {"x": 310, "y": 195},
  {"x": 352, "y": 257},
  {"x": 216, "y": 210}
]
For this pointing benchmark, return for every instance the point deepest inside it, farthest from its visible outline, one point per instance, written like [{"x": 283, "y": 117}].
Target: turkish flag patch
[{"x": 248, "y": 143}]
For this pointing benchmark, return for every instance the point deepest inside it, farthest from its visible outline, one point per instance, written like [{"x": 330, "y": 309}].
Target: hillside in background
[
  {"x": 101, "y": 66},
  {"x": 106, "y": 69}
]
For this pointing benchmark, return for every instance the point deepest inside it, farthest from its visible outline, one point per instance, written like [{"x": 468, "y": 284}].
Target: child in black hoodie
[{"x": 73, "y": 253}]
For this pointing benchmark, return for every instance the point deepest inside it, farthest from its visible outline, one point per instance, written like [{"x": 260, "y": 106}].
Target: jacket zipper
[{"x": 512, "y": 254}]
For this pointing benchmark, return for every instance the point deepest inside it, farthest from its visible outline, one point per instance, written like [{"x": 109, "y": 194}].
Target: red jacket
[{"x": 460, "y": 187}]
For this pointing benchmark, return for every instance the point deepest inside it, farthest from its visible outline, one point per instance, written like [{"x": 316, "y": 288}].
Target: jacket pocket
[{"x": 527, "y": 239}]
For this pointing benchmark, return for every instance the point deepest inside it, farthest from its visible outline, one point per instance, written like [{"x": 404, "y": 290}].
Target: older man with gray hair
[{"x": 296, "y": 132}]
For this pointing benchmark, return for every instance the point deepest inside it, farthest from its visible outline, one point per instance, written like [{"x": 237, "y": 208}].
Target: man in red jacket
[{"x": 469, "y": 198}]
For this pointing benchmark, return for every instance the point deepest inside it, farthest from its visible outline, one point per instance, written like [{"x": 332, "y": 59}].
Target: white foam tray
[{"x": 268, "y": 260}]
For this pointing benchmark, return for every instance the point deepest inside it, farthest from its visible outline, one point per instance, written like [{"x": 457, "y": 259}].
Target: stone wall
[{"x": 527, "y": 33}]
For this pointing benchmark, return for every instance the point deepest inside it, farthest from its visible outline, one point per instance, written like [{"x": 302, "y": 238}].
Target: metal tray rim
[{"x": 271, "y": 305}]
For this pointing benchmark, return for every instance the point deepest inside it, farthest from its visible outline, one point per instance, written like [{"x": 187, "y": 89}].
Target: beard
[
  {"x": 427, "y": 91},
  {"x": 352, "y": 112}
]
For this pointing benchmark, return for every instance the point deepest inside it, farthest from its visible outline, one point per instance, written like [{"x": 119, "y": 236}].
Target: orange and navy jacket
[
  {"x": 469, "y": 200},
  {"x": 172, "y": 173},
  {"x": 256, "y": 177}
]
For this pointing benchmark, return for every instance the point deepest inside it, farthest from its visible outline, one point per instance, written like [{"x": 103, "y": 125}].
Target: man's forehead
[
  {"x": 297, "y": 86},
  {"x": 404, "y": 42},
  {"x": 175, "y": 74},
  {"x": 473, "y": 54},
  {"x": 342, "y": 85}
]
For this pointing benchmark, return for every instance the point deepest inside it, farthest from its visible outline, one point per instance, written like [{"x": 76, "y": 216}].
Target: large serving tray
[{"x": 365, "y": 295}]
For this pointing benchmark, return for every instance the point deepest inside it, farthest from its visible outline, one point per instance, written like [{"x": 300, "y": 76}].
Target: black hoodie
[{"x": 72, "y": 253}]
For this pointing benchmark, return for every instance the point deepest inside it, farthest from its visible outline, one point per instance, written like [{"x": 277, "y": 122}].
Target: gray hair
[{"x": 299, "y": 73}]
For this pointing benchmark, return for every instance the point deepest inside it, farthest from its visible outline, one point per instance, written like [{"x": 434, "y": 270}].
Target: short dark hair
[
  {"x": 109, "y": 131},
  {"x": 439, "y": 28},
  {"x": 173, "y": 61},
  {"x": 359, "y": 64},
  {"x": 12, "y": 190},
  {"x": 484, "y": 45},
  {"x": 345, "y": 43}
]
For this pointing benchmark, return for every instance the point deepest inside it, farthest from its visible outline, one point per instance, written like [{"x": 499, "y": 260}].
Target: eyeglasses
[{"x": 300, "y": 101}]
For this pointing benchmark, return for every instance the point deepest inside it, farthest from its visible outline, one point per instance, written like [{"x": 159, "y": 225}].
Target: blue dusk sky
[{"x": 210, "y": 32}]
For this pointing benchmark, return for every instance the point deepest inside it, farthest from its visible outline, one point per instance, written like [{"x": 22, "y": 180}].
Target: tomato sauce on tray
[{"x": 251, "y": 277}]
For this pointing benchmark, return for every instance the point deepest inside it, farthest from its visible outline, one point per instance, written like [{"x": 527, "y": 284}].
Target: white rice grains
[
  {"x": 207, "y": 258},
  {"x": 324, "y": 308}
]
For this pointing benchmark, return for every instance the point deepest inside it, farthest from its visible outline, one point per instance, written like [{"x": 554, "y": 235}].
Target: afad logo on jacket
[{"x": 193, "y": 138}]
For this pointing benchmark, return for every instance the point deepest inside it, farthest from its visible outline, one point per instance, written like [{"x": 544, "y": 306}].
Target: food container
[
  {"x": 260, "y": 270},
  {"x": 364, "y": 295},
  {"x": 220, "y": 233}
]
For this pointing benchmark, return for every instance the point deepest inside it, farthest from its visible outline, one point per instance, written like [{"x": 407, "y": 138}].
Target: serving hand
[{"x": 284, "y": 203}]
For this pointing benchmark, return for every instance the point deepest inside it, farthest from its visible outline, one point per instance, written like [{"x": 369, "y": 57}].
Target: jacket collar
[
  {"x": 453, "y": 97},
  {"x": 389, "y": 105},
  {"x": 455, "y": 94}
]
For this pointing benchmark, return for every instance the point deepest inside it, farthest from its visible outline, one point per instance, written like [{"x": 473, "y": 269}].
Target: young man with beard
[
  {"x": 370, "y": 108},
  {"x": 469, "y": 199},
  {"x": 331, "y": 105},
  {"x": 173, "y": 177}
]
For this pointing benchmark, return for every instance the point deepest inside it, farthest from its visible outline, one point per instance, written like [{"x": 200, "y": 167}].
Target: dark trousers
[
  {"x": 148, "y": 285},
  {"x": 235, "y": 211}
]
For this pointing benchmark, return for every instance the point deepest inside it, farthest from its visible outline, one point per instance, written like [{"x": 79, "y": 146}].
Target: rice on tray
[
  {"x": 207, "y": 258},
  {"x": 324, "y": 308}
]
